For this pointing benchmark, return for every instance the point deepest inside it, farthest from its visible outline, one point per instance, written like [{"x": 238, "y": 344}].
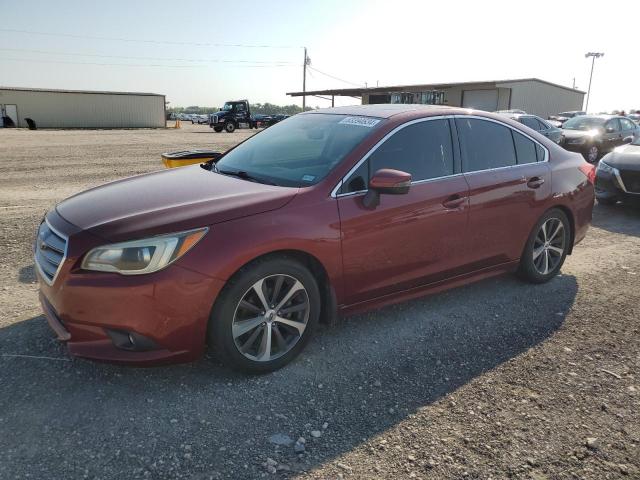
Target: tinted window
[
  {"x": 525, "y": 149},
  {"x": 484, "y": 144},
  {"x": 627, "y": 124},
  {"x": 358, "y": 181},
  {"x": 530, "y": 122},
  {"x": 613, "y": 124},
  {"x": 542, "y": 125},
  {"x": 423, "y": 149}
]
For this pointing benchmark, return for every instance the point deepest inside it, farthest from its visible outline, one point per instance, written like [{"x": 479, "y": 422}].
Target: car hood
[
  {"x": 626, "y": 157},
  {"x": 169, "y": 201}
]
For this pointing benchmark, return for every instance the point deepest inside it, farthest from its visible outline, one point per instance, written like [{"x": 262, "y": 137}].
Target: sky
[{"x": 199, "y": 52}]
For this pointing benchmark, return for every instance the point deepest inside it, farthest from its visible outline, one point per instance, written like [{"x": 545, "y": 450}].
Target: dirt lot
[{"x": 495, "y": 380}]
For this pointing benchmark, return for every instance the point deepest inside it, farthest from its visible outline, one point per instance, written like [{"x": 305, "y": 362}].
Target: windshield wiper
[{"x": 245, "y": 176}]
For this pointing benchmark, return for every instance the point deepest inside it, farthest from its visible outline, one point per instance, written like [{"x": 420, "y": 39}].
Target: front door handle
[
  {"x": 454, "y": 201},
  {"x": 535, "y": 182}
]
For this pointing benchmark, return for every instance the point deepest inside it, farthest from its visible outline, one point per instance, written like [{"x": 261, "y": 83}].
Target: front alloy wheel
[
  {"x": 271, "y": 318},
  {"x": 265, "y": 314}
]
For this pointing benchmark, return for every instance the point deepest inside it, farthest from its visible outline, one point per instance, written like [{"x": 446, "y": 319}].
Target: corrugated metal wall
[
  {"x": 52, "y": 109},
  {"x": 542, "y": 99}
]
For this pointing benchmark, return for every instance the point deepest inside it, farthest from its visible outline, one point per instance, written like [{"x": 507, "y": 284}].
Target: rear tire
[
  {"x": 546, "y": 248},
  {"x": 261, "y": 333}
]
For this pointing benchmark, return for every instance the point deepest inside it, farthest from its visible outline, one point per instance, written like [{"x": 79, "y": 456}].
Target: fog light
[{"x": 131, "y": 341}]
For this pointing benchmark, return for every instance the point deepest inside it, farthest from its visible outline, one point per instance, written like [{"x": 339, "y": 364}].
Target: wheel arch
[{"x": 329, "y": 306}]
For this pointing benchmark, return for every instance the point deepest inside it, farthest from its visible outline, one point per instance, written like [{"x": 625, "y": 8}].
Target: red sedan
[{"x": 326, "y": 213}]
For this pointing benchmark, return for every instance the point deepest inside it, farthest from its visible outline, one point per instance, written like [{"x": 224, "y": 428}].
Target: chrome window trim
[
  {"x": 43, "y": 275},
  {"x": 334, "y": 192}
]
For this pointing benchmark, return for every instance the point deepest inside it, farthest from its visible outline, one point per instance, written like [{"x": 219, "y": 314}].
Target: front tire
[
  {"x": 230, "y": 127},
  {"x": 546, "y": 248},
  {"x": 265, "y": 315},
  {"x": 217, "y": 129}
]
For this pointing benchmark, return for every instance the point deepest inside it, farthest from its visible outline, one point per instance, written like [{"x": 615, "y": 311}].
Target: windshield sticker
[
  {"x": 361, "y": 121},
  {"x": 308, "y": 178}
]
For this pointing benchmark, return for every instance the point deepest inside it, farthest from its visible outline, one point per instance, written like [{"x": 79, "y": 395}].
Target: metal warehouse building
[
  {"x": 532, "y": 95},
  {"x": 82, "y": 109}
]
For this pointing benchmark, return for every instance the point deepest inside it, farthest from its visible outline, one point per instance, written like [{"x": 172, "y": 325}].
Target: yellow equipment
[{"x": 188, "y": 157}]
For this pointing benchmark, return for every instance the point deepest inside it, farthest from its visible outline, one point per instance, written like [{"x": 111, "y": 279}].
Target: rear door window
[
  {"x": 484, "y": 144},
  {"x": 525, "y": 149},
  {"x": 627, "y": 124}
]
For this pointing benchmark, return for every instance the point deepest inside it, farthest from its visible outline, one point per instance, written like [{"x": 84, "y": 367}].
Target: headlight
[
  {"x": 606, "y": 168},
  {"x": 142, "y": 256}
]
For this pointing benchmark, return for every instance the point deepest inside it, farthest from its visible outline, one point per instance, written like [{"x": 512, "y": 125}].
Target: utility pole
[
  {"x": 304, "y": 79},
  {"x": 593, "y": 56}
]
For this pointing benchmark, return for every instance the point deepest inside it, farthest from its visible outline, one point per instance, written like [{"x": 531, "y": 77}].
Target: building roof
[
  {"x": 19, "y": 89},
  {"x": 382, "y": 110},
  {"x": 357, "y": 92}
]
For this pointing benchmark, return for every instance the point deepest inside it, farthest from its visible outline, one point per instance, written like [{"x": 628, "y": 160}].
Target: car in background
[
  {"x": 559, "y": 119},
  {"x": 200, "y": 119},
  {"x": 538, "y": 124},
  {"x": 249, "y": 253},
  {"x": 261, "y": 120},
  {"x": 595, "y": 135},
  {"x": 618, "y": 175}
]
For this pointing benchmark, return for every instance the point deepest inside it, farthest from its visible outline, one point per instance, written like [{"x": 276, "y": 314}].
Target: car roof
[{"x": 389, "y": 110}]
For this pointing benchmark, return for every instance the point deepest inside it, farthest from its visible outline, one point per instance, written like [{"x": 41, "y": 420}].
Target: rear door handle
[
  {"x": 454, "y": 201},
  {"x": 535, "y": 182}
]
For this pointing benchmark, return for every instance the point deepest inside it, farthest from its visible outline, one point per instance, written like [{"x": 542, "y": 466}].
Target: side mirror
[{"x": 386, "y": 181}]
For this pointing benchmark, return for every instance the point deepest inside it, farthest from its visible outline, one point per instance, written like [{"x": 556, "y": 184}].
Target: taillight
[{"x": 589, "y": 171}]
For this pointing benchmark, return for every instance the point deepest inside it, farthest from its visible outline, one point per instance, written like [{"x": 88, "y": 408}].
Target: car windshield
[
  {"x": 227, "y": 107},
  {"x": 299, "y": 151},
  {"x": 584, "y": 123}
]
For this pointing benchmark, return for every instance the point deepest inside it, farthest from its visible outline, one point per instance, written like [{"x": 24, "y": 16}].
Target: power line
[
  {"x": 202, "y": 60},
  {"x": 133, "y": 40},
  {"x": 134, "y": 64},
  {"x": 334, "y": 77}
]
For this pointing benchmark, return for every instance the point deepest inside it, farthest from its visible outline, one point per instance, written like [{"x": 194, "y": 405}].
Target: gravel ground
[{"x": 499, "y": 379}]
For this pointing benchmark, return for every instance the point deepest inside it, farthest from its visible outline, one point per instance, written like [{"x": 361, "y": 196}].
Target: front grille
[
  {"x": 631, "y": 180},
  {"x": 50, "y": 251}
]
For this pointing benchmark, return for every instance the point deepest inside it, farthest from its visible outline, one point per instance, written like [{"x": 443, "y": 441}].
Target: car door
[
  {"x": 509, "y": 184},
  {"x": 411, "y": 239},
  {"x": 612, "y": 134}
]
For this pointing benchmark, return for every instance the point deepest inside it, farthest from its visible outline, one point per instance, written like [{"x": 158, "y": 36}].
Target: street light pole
[{"x": 593, "y": 56}]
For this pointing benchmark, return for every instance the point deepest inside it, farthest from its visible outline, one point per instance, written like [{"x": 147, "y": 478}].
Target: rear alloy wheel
[
  {"x": 230, "y": 127},
  {"x": 546, "y": 248},
  {"x": 592, "y": 154},
  {"x": 265, "y": 315}
]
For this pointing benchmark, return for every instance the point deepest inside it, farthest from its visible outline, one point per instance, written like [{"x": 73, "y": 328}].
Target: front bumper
[
  {"x": 170, "y": 308},
  {"x": 612, "y": 185}
]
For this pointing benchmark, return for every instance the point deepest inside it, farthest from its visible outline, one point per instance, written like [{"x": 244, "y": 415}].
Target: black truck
[{"x": 234, "y": 114}]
